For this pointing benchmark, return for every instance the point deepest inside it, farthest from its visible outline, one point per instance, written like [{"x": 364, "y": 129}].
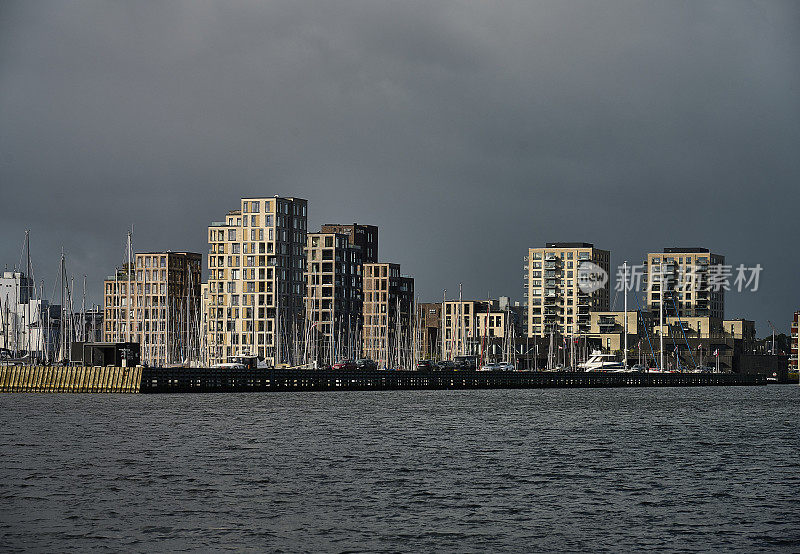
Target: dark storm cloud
[{"x": 467, "y": 131}]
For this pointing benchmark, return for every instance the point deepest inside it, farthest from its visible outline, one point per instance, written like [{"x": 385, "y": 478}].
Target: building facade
[
  {"x": 333, "y": 298},
  {"x": 690, "y": 281},
  {"x": 794, "y": 339},
  {"x": 388, "y": 310},
  {"x": 429, "y": 330},
  {"x": 256, "y": 284},
  {"x": 363, "y": 236},
  {"x": 484, "y": 329},
  {"x": 28, "y": 325},
  {"x": 558, "y": 302},
  {"x": 157, "y": 304}
]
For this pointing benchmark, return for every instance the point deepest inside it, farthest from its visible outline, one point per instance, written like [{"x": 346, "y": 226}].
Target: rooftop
[
  {"x": 689, "y": 249},
  {"x": 569, "y": 245}
]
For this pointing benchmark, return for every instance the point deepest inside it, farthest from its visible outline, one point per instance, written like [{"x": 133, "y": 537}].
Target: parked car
[
  {"x": 466, "y": 363},
  {"x": 641, "y": 368},
  {"x": 344, "y": 365},
  {"x": 447, "y": 365},
  {"x": 489, "y": 367},
  {"x": 366, "y": 364},
  {"x": 425, "y": 365}
]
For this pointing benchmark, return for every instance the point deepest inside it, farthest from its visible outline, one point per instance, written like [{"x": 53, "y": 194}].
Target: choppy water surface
[{"x": 522, "y": 470}]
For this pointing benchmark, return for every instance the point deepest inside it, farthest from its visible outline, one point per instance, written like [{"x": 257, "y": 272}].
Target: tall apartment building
[
  {"x": 688, "y": 277},
  {"x": 388, "y": 310},
  {"x": 156, "y": 304},
  {"x": 333, "y": 297},
  {"x": 363, "y": 236},
  {"x": 556, "y": 300},
  {"x": 256, "y": 283}
]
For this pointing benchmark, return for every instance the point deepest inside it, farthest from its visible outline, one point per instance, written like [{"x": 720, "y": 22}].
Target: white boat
[{"x": 602, "y": 362}]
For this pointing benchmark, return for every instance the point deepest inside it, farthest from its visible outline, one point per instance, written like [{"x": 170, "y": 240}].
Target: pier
[
  {"x": 167, "y": 380},
  {"x": 206, "y": 380}
]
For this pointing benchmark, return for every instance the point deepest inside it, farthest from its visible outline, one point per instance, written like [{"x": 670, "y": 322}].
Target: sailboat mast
[
  {"x": 460, "y": 322},
  {"x": 625, "y": 326},
  {"x": 28, "y": 290},
  {"x": 83, "y": 312},
  {"x": 62, "y": 320},
  {"x": 661, "y": 325},
  {"x": 441, "y": 322},
  {"x": 128, "y": 311}
]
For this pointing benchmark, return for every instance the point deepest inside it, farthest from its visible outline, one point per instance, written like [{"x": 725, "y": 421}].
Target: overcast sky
[{"x": 468, "y": 131}]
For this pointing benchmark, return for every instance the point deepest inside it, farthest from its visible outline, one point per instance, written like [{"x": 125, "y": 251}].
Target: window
[{"x": 231, "y": 234}]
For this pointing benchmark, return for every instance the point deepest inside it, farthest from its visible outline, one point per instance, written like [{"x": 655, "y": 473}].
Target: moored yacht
[{"x": 602, "y": 362}]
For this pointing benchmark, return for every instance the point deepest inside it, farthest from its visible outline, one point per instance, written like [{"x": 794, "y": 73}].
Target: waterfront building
[
  {"x": 429, "y": 326},
  {"x": 607, "y": 330},
  {"x": 157, "y": 304},
  {"x": 689, "y": 280},
  {"x": 28, "y": 323},
  {"x": 333, "y": 297},
  {"x": 557, "y": 301},
  {"x": 256, "y": 284},
  {"x": 363, "y": 236},
  {"x": 688, "y": 341},
  {"x": 485, "y": 329},
  {"x": 388, "y": 309},
  {"x": 794, "y": 343}
]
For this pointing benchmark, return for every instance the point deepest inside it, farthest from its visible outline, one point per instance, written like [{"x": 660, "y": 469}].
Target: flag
[{"x": 716, "y": 352}]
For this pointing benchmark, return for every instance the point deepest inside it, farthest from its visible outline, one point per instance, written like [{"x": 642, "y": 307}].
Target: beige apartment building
[
  {"x": 557, "y": 301},
  {"x": 157, "y": 305},
  {"x": 388, "y": 310},
  {"x": 333, "y": 298},
  {"x": 256, "y": 283},
  {"x": 690, "y": 279},
  {"x": 472, "y": 328}
]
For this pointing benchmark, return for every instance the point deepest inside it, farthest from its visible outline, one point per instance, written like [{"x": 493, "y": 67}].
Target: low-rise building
[{"x": 484, "y": 329}]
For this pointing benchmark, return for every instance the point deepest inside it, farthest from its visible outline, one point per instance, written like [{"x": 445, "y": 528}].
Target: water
[{"x": 515, "y": 470}]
